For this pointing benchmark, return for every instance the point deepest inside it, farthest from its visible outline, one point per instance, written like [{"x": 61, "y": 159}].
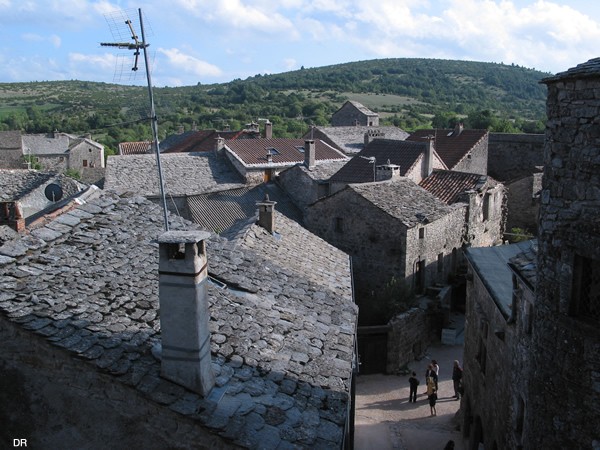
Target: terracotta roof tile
[
  {"x": 448, "y": 185},
  {"x": 135, "y": 148}
]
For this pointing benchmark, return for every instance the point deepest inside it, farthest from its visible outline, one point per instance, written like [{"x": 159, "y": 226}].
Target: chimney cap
[{"x": 183, "y": 237}]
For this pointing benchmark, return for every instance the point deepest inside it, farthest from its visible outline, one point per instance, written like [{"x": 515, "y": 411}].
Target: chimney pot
[
  {"x": 266, "y": 214},
  {"x": 12, "y": 216},
  {"x": 309, "y": 154}
]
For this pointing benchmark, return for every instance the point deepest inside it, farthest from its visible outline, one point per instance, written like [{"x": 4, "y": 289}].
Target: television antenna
[{"x": 126, "y": 28}]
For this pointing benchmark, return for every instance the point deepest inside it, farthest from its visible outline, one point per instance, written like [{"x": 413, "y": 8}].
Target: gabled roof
[
  {"x": 200, "y": 141},
  {"x": 219, "y": 211},
  {"x": 42, "y": 144},
  {"x": 183, "y": 173},
  {"x": 404, "y": 200},
  {"x": 135, "y": 148},
  {"x": 359, "y": 106},
  {"x": 17, "y": 183},
  {"x": 451, "y": 146},
  {"x": 283, "y": 339},
  {"x": 285, "y": 152},
  {"x": 449, "y": 185},
  {"x": 361, "y": 170},
  {"x": 352, "y": 139}
]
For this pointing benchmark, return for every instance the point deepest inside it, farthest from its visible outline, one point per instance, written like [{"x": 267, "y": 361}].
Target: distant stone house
[
  {"x": 462, "y": 150},
  {"x": 90, "y": 359},
  {"x": 352, "y": 139},
  {"x": 486, "y": 199},
  {"x": 354, "y": 113},
  {"x": 414, "y": 160},
  {"x": 61, "y": 151},
  {"x": 11, "y": 151},
  {"x": 261, "y": 160},
  {"x": 499, "y": 316},
  {"x": 392, "y": 229}
]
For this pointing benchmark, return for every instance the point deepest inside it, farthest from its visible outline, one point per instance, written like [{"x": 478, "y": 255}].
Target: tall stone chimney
[
  {"x": 268, "y": 130},
  {"x": 387, "y": 171},
  {"x": 373, "y": 134},
  {"x": 184, "y": 311},
  {"x": 458, "y": 129},
  {"x": 266, "y": 214},
  {"x": 309, "y": 154},
  {"x": 428, "y": 158},
  {"x": 219, "y": 144},
  {"x": 11, "y": 215}
]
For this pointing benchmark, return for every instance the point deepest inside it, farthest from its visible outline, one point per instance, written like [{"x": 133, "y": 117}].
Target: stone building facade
[
  {"x": 354, "y": 113},
  {"x": 391, "y": 229},
  {"x": 566, "y": 337},
  {"x": 512, "y": 156},
  {"x": 523, "y": 202}
]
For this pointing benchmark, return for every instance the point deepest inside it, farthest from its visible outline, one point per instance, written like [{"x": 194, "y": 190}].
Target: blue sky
[{"x": 210, "y": 41}]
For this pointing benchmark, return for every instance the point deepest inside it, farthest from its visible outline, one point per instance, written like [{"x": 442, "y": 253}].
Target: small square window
[
  {"x": 85, "y": 163},
  {"x": 421, "y": 233}
]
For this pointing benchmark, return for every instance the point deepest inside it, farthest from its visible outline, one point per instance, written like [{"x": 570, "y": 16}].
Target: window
[
  {"x": 487, "y": 200},
  {"x": 338, "y": 225},
  {"x": 299, "y": 148},
  {"x": 272, "y": 151},
  {"x": 585, "y": 294},
  {"x": 85, "y": 163},
  {"x": 520, "y": 422},
  {"x": 421, "y": 233},
  {"x": 440, "y": 263}
]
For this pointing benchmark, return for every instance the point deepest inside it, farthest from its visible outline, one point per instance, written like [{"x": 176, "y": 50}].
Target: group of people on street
[{"x": 431, "y": 381}]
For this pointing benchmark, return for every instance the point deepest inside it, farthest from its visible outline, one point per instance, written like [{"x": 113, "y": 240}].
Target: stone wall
[
  {"x": 54, "y": 163},
  {"x": 523, "y": 202},
  {"x": 92, "y": 155},
  {"x": 54, "y": 401},
  {"x": 566, "y": 333},
  {"x": 348, "y": 115},
  {"x": 299, "y": 186},
  {"x": 477, "y": 159},
  {"x": 512, "y": 156}
]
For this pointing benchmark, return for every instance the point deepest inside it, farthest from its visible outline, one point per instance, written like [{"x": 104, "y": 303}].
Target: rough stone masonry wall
[
  {"x": 299, "y": 186},
  {"x": 564, "y": 409},
  {"x": 54, "y": 401},
  {"x": 512, "y": 156},
  {"x": 478, "y": 160}
]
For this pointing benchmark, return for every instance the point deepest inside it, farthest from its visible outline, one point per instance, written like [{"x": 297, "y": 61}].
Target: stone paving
[{"x": 386, "y": 420}]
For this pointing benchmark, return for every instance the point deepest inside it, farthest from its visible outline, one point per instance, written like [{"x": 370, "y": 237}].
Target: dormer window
[
  {"x": 299, "y": 148},
  {"x": 272, "y": 151}
]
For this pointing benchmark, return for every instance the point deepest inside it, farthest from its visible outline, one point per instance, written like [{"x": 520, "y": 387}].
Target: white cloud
[
  {"x": 189, "y": 64},
  {"x": 290, "y": 63}
]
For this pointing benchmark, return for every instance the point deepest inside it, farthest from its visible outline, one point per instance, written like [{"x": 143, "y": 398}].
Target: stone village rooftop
[{"x": 282, "y": 317}]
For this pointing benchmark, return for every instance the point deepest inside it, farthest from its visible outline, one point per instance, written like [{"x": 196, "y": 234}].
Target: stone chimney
[
  {"x": 219, "y": 144},
  {"x": 182, "y": 267},
  {"x": 268, "y": 130},
  {"x": 387, "y": 171},
  {"x": 11, "y": 215},
  {"x": 373, "y": 134},
  {"x": 428, "y": 157},
  {"x": 266, "y": 214},
  {"x": 458, "y": 128},
  {"x": 309, "y": 154}
]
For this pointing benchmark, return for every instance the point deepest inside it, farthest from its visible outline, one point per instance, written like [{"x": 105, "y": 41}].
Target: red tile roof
[
  {"x": 450, "y": 147},
  {"x": 135, "y": 148},
  {"x": 360, "y": 170},
  {"x": 448, "y": 185},
  {"x": 201, "y": 141},
  {"x": 253, "y": 152}
]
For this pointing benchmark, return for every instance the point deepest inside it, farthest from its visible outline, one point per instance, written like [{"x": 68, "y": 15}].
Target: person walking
[
  {"x": 430, "y": 373},
  {"x": 431, "y": 395},
  {"x": 414, "y": 382},
  {"x": 457, "y": 374},
  {"x": 436, "y": 369}
]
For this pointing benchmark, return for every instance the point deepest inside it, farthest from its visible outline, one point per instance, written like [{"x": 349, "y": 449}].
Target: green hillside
[{"x": 409, "y": 93}]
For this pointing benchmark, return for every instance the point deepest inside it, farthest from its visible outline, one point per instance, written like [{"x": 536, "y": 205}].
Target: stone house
[
  {"x": 29, "y": 188},
  {"x": 89, "y": 360},
  {"x": 567, "y": 300},
  {"x": 391, "y": 229},
  {"x": 550, "y": 361},
  {"x": 352, "y": 139},
  {"x": 486, "y": 200},
  {"x": 261, "y": 160},
  {"x": 462, "y": 150},
  {"x": 500, "y": 299},
  {"x": 61, "y": 151},
  {"x": 413, "y": 160},
  {"x": 354, "y": 113},
  {"x": 512, "y": 156}
]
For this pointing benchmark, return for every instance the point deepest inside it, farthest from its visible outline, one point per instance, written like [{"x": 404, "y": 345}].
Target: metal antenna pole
[{"x": 154, "y": 124}]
